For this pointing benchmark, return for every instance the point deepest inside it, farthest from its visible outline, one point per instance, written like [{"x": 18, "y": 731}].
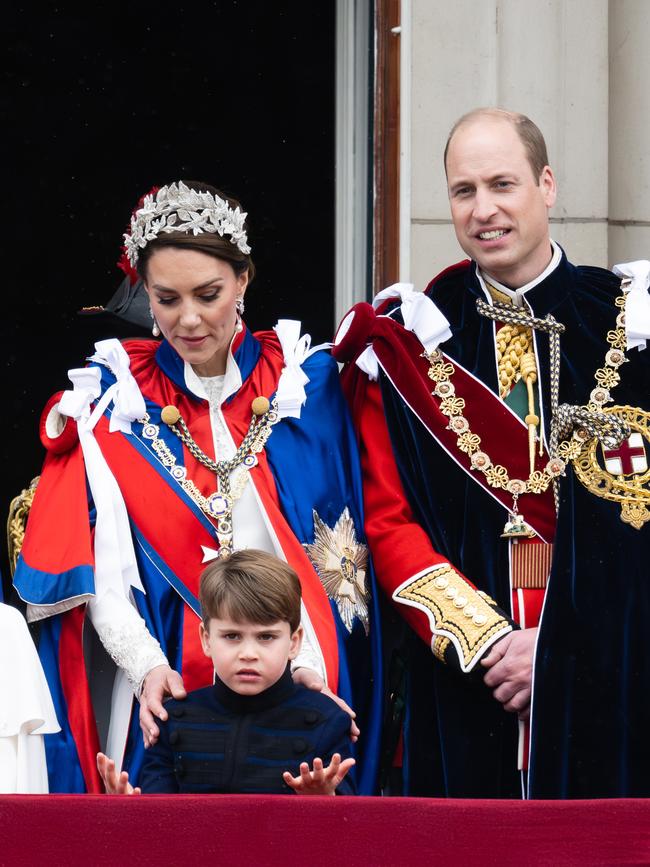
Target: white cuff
[
  {"x": 133, "y": 649},
  {"x": 637, "y": 302},
  {"x": 309, "y": 657}
]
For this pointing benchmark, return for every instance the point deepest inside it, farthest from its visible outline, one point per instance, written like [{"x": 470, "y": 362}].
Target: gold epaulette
[
  {"x": 17, "y": 522},
  {"x": 457, "y": 612}
]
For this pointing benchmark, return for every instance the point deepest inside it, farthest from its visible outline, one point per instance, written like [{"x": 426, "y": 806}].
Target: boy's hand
[
  {"x": 312, "y": 680},
  {"x": 116, "y": 784},
  {"x": 320, "y": 781},
  {"x": 161, "y": 681}
]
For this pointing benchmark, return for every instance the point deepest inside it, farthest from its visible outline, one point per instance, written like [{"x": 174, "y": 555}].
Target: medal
[{"x": 620, "y": 473}]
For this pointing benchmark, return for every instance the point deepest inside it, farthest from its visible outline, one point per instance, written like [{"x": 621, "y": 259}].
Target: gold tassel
[{"x": 528, "y": 369}]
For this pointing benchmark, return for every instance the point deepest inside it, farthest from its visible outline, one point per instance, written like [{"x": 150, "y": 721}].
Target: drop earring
[
  {"x": 239, "y": 305},
  {"x": 155, "y": 330}
]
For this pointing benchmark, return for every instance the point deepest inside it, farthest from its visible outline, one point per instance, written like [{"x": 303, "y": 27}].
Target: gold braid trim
[
  {"x": 460, "y": 612},
  {"x": 513, "y": 343},
  {"x": 440, "y": 646},
  {"x": 17, "y": 522}
]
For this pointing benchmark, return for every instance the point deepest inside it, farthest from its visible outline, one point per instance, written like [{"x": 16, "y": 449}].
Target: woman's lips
[{"x": 193, "y": 341}]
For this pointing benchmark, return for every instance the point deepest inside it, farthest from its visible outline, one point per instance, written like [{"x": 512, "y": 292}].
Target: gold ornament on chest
[
  {"x": 621, "y": 473},
  {"x": 341, "y": 563}
]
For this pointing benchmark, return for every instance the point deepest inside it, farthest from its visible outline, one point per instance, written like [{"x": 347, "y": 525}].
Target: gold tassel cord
[{"x": 528, "y": 369}]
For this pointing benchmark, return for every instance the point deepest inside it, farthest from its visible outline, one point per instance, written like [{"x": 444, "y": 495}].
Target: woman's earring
[
  {"x": 239, "y": 305},
  {"x": 154, "y": 328}
]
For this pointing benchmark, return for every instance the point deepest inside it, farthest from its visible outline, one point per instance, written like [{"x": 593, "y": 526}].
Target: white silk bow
[
  {"x": 290, "y": 393},
  {"x": 637, "y": 302},
  {"x": 128, "y": 403},
  {"x": 115, "y": 564},
  {"x": 420, "y": 315}
]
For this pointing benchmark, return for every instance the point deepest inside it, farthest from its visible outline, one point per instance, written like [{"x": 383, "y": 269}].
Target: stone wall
[{"x": 581, "y": 70}]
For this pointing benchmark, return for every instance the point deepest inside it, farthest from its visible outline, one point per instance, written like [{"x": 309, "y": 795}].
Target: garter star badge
[
  {"x": 621, "y": 474},
  {"x": 341, "y": 563}
]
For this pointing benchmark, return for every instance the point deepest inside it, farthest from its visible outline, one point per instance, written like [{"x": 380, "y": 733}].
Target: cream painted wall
[
  {"x": 581, "y": 70},
  {"x": 629, "y": 130}
]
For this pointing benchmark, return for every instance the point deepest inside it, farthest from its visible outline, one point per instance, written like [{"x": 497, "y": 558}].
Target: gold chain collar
[
  {"x": 496, "y": 475},
  {"x": 218, "y": 506}
]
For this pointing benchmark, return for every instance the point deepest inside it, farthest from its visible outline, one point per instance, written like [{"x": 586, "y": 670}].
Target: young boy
[{"x": 241, "y": 734}]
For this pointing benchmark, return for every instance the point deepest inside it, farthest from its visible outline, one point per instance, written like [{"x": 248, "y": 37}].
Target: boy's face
[{"x": 249, "y": 657}]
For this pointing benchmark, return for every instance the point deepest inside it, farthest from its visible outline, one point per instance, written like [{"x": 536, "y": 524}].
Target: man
[{"x": 498, "y": 482}]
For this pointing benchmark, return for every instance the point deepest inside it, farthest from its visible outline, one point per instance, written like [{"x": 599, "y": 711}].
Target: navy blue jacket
[{"x": 216, "y": 740}]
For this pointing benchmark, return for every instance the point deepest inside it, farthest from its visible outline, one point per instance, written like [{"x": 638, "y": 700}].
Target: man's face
[{"x": 499, "y": 212}]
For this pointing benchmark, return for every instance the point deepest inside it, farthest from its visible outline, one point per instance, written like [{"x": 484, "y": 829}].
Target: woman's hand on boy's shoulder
[
  {"x": 322, "y": 780},
  {"x": 160, "y": 682},
  {"x": 312, "y": 680}
]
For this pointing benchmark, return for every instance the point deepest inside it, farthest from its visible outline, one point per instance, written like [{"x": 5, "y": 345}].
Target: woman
[{"x": 165, "y": 454}]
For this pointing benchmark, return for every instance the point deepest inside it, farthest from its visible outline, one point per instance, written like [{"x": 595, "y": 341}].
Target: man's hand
[
  {"x": 115, "y": 784},
  {"x": 312, "y": 680},
  {"x": 161, "y": 681},
  {"x": 320, "y": 781},
  {"x": 510, "y": 670}
]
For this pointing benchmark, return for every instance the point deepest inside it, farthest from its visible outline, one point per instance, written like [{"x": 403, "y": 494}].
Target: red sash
[{"x": 504, "y": 437}]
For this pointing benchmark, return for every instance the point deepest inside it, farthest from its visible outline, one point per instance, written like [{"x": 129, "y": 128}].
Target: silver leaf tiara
[{"x": 177, "y": 208}]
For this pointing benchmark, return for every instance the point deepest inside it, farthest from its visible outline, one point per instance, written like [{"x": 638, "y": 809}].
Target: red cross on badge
[{"x": 628, "y": 459}]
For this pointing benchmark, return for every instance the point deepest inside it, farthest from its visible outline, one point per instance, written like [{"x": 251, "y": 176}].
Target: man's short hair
[
  {"x": 252, "y": 587},
  {"x": 529, "y": 133}
]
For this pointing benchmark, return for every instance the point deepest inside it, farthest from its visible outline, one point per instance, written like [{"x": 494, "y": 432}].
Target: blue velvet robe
[{"x": 591, "y": 712}]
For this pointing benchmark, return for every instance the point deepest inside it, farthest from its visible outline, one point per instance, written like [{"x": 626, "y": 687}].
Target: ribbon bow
[
  {"x": 116, "y": 569},
  {"x": 420, "y": 315},
  {"x": 290, "y": 394},
  {"x": 87, "y": 388},
  {"x": 128, "y": 403},
  {"x": 637, "y": 302}
]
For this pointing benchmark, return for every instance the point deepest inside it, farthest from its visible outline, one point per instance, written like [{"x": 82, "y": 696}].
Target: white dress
[{"x": 26, "y": 709}]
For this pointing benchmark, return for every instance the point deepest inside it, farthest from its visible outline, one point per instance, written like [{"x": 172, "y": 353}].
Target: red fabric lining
[
  {"x": 77, "y": 695},
  {"x": 153, "y": 829},
  {"x": 463, "y": 265},
  {"x": 400, "y": 546},
  {"x": 69, "y": 436}
]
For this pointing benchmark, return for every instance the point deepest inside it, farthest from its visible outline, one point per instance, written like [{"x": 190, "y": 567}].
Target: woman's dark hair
[{"x": 212, "y": 244}]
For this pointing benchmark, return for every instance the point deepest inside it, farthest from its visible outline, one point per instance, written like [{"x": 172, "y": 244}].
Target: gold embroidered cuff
[
  {"x": 440, "y": 646},
  {"x": 457, "y": 612}
]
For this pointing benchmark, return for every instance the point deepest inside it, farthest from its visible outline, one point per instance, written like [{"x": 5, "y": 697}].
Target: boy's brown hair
[{"x": 250, "y": 586}]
